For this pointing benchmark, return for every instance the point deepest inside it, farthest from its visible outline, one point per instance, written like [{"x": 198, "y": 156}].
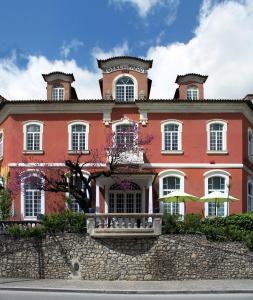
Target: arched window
[
  {"x": 124, "y": 89},
  {"x": 250, "y": 144},
  {"x": 72, "y": 203},
  {"x": 58, "y": 93},
  {"x": 171, "y": 136},
  {"x": 250, "y": 196},
  {"x": 33, "y": 136},
  {"x": 32, "y": 197},
  {"x": 125, "y": 136},
  {"x": 1, "y": 144},
  {"x": 169, "y": 181},
  {"x": 216, "y": 180},
  {"x": 125, "y": 197},
  {"x": 78, "y": 136},
  {"x": 217, "y": 136},
  {"x": 192, "y": 93}
]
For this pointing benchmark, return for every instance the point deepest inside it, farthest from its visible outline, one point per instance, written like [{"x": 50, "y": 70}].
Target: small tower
[
  {"x": 125, "y": 78},
  {"x": 59, "y": 86},
  {"x": 191, "y": 86}
]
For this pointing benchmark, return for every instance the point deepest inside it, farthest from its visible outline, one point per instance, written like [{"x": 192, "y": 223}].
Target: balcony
[
  {"x": 132, "y": 156},
  {"x": 124, "y": 225}
]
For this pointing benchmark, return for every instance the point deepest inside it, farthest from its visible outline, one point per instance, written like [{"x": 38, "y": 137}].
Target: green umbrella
[
  {"x": 178, "y": 197},
  {"x": 218, "y": 197}
]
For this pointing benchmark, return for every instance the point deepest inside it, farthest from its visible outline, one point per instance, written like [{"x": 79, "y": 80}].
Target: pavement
[{"x": 129, "y": 287}]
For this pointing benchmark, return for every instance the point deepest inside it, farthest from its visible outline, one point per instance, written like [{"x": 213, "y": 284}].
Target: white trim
[
  {"x": 216, "y": 173},
  {"x": 2, "y": 145},
  {"x": 29, "y": 173},
  {"x": 122, "y": 121},
  {"x": 180, "y": 125},
  {"x": 25, "y": 125},
  {"x": 87, "y": 129},
  {"x": 249, "y": 181},
  {"x": 135, "y": 86},
  {"x": 172, "y": 173},
  {"x": 250, "y": 145},
  {"x": 224, "y": 136},
  {"x": 145, "y": 165}
]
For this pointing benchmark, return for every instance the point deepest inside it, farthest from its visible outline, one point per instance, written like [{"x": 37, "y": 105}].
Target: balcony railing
[
  {"x": 132, "y": 156},
  {"x": 4, "y": 225},
  {"x": 124, "y": 225}
]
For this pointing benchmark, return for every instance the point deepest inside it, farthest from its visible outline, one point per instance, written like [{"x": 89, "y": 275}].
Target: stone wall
[{"x": 171, "y": 257}]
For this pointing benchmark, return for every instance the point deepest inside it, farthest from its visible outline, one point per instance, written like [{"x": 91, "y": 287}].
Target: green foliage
[
  {"x": 5, "y": 204},
  {"x": 171, "y": 224},
  {"x": 232, "y": 228},
  {"x": 67, "y": 221},
  {"x": 26, "y": 232},
  {"x": 63, "y": 222},
  {"x": 249, "y": 240}
]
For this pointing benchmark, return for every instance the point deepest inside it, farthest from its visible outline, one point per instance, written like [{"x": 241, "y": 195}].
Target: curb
[{"x": 106, "y": 291}]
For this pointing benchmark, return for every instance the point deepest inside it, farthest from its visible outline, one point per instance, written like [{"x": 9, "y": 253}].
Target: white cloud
[
  {"x": 221, "y": 48},
  {"x": 145, "y": 7},
  {"x": 67, "y": 47},
  {"x": 116, "y": 51}
]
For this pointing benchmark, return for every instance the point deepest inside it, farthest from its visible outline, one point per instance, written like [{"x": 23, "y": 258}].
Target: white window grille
[
  {"x": 125, "y": 136},
  {"x": 192, "y": 93},
  {"x": 124, "y": 89},
  {"x": 217, "y": 136},
  {"x": 78, "y": 137},
  {"x": 1, "y": 144},
  {"x": 250, "y": 144},
  {"x": 171, "y": 137},
  {"x": 78, "y": 183},
  {"x": 33, "y": 137},
  {"x": 58, "y": 93},
  {"x": 171, "y": 184},
  {"x": 250, "y": 196},
  {"x": 216, "y": 184},
  {"x": 32, "y": 198}
]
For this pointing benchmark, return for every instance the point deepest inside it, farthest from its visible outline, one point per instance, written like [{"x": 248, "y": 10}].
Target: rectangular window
[
  {"x": 1, "y": 144},
  {"x": 32, "y": 203}
]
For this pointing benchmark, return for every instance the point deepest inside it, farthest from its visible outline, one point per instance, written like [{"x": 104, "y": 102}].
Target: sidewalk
[{"x": 129, "y": 287}]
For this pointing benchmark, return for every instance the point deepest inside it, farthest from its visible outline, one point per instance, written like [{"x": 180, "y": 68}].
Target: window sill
[
  {"x": 173, "y": 152},
  {"x": 36, "y": 152},
  {"x": 217, "y": 152},
  {"x": 73, "y": 152}
]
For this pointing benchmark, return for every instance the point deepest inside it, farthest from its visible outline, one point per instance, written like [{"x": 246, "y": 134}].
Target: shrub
[
  {"x": 65, "y": 222},
  {"x": 192, "y": 223},
  {"x": 18, "y": 231},
  {"x": 5, "y": 204},
  {"x": 249, "y": 240},
  {"x": 171, "y": 224}
]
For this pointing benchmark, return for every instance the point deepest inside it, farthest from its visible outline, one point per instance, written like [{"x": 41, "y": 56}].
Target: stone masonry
[{"x": 169, "y": 257}]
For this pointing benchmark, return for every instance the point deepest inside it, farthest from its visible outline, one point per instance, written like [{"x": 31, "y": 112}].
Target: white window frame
[
  {"x": 192, "y": 89},
  {"x": 249, "y": 207},
  {"x": 124, "y": 121},
  {"x": 78, "y": 122},
  {"x": 57, "y": 88},
  {"x": 180, "y": 128},
  {"x": 135, "y": 86},
  {"x": 250, "y": 144},
  {"x": 28, "y": 174},
  {"x": 217, "y": 173},
  {"x": 1, "y": 144},
  {"x": 41, "y": 125},
  {"x": 171, "y": 173},
  {"x": 224, "y": 136}
]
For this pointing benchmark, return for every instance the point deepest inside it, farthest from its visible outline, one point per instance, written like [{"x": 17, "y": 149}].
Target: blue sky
[
  {"x": 47, "y": 27},
  {"x": 212, "y": 37}
]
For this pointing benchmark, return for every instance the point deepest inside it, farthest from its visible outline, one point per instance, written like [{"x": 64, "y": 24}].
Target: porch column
[
  {"x": 97, "y": 198},
  {"x": 150, "y": 196}
]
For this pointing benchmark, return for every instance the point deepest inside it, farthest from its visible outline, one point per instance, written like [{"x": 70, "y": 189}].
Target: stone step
[
  {"x": 124, "y": 230},
  {"x": 103, "y": 235}
]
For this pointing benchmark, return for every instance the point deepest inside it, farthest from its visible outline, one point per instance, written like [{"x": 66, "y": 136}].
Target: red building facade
[{"x": 199, "y": 145}]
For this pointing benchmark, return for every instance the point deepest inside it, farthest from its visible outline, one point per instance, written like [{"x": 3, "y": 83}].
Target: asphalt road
[{"x": 21, "y": 295}]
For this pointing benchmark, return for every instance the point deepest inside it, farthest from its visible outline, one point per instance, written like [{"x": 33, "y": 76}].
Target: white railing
[
  {"x": 124, "y": 222},
  {"x": 132, "y": 156}
]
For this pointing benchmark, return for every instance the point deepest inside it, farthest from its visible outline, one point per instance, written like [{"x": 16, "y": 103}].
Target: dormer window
[
  {"x": 192, "y": 93},
  {"x": 124, "y": 89},
  {"x": 58, "y": 93}
]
